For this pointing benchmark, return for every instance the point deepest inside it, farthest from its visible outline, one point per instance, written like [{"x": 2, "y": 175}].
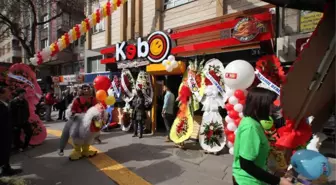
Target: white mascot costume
[{"x": 83, "y": 128}]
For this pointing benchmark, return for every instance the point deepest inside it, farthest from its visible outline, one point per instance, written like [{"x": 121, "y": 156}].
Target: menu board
[{"x": 309, "y": 20}]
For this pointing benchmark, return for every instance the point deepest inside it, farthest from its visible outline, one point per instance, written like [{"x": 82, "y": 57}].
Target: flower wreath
[
  {"x": 182, "y": 127},
  {"x": 270, "y": 67},
  {"x": 212, "y": 132},
  {"x": 214, "y": 71}
]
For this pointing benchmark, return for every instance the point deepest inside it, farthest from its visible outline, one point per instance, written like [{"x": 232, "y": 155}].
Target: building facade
[
  {"x": 70, "y": 60},
  {"x": 139, "y": 18},
  {"x": 10, "y": 50}
]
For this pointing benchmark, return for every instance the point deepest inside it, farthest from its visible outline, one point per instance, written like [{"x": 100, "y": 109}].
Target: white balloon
[
  {"x": 164, "y": 63},
  {"x": 229, "y": 144},
  {"x": 231, "y": 151},
  {"x": 238, "y": 107},
  {"x": 174, "y": 64},
  {"x": 233, "y": 100},
  {"x": 239, "y": 74},
  {"x": 228, "y": 119},
  {"x": 60, "y": 45},
  {"x": 70, "y": 36},
  {"x": 171, "y": 58},
  {"x": 241, "y": 115},
  {"x": 229, "y": 91},
  {"x": 47, "y": 50},
  {"x": 231, "y": 126},
  {"x": 169, "y": 68}
]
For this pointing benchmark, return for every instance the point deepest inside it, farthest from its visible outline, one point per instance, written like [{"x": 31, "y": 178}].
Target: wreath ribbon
[
  {"x": 267, "y": 82},
  {"x": 116, "y": 89},
  {"x": 193, "y": 87},
  {"x": 125, "y": 86},
  {"x": 22, "y": 79},
  {"x": 214, "y": 82}
]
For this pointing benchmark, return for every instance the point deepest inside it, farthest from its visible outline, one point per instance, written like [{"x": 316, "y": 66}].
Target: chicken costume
[{"x": 83, "y": 128}]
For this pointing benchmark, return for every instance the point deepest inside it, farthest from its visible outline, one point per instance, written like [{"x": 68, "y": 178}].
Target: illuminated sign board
[{"x": 156, "y": 48}]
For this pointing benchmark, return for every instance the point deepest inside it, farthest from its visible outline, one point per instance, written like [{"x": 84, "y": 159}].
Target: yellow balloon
[{"x": 110, "y": 100}]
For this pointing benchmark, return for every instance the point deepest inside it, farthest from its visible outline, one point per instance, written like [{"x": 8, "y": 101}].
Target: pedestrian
[
  {"x": 6, "y": 134},
  {"x": 49, "y": 102},
  {"x": 251, "y": 147},
  {"x": 19, "y": 117},
  {"x": 168, "y": 109},
  {"x": 139, "y": 114},
  {"x": 62, "y": 106}
]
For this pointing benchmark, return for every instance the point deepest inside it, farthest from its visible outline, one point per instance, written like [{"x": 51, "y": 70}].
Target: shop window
[
  {"x": 99, "y": 27},
  {"x": 174, "y": 3},
  {"x": 45, "y": 18}
]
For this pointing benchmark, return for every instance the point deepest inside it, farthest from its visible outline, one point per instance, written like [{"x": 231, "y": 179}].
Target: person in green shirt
[{"x": 251, "y": 147}]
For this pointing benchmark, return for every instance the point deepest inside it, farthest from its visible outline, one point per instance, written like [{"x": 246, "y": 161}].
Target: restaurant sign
[{"x": 155, "y": 48}]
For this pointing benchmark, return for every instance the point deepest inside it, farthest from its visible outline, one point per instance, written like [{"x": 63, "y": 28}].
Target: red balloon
[
  {"x": 233, "y": 114},
  {"x": 231, "y": 137},
  {"x": 229, "y": 107},
  {"x": 227, "y": 131},
  {"x": 242, "y": 101},
  {"x": 101, "y": 83},
  {"x": 239, "y": 94},
  {"x": 237, "y": 121}
]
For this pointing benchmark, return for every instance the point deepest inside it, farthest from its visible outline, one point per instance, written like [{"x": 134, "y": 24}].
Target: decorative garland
[
  {"x": 76, "y": 32},
  {"x": 212, "y": 132}
]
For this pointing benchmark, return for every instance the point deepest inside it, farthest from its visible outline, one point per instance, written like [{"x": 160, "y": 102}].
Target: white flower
[
  {"x": 211, "y": 127},
  {"x": 170, "y": 63}
]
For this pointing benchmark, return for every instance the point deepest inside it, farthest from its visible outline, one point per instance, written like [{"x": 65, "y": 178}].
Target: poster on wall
[{"x": 309, "y": 20}]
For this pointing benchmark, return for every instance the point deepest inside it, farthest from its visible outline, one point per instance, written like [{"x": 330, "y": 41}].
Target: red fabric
[
  {"x": 83, "y": 104},
  {"x": 49, "y": 99},
  {"x": 184, "y": 94},
  {"x": 290, "y": 138},
  {"x": 93, "y": 128}
]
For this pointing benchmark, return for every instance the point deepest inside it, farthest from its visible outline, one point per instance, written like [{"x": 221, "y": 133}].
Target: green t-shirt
[{"x": 250, "y": 143}]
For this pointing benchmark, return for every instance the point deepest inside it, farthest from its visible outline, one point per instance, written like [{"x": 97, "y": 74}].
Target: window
[
  {"x": 66, "y": 19},
  {"x": 8, "y": 47},
  {"x": 45, "y": 18},
  {"x": 94, "y": 65},
  {"x": 174, "y": 3},
  {"x": 99, "y": 27},
  {"x": 44, "y": 43}
]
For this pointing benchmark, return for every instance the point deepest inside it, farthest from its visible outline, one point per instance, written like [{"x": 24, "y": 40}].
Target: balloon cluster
[
  {"x": 238, "y": 76},
  {"x": 235, "y": 113},
  {"x": 101, "y": 85},
  {"x": 76, "y": 32}
]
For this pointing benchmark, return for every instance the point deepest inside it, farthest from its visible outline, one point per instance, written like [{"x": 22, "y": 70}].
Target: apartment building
[
  {"x": 70, "y": 60},
  {"x": 10, "y": 50},
  {"x": 139, "y": 18}
]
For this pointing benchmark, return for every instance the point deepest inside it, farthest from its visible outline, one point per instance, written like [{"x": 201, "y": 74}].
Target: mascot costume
[{"x": 83, "y": 129}]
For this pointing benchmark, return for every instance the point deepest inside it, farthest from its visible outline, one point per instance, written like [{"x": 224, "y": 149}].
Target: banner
[
  {"x": 22, "y": 79},
  {"x": 267, "y": 82},
  {"x": 116, "y": 89},
  {"x": 214, "y": 82},
  {"x": 193, "y": 87}
]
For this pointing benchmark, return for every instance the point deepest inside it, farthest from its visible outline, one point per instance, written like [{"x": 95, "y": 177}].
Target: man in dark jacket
[
  {"x": 5, "y": 134},
  {"x": 20, "y": 115}
]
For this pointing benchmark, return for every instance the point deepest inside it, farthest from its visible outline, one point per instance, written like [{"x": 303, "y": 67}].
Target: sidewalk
[
  {"x": 43, "y": 166},
  {"x": 157, "y": 162}
]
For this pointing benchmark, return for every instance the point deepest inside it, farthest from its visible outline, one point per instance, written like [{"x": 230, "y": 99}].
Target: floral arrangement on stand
[
  {"x": 213, "y": 133},
  {"x": 211, "y": 140},
  {"x": 270, "y": 67},
  {"x": 189, "y": 96},
  {"x": 144, "y": 83},
  {"x": 22, "y": 76},
  {"x": 127, "y": 93}
]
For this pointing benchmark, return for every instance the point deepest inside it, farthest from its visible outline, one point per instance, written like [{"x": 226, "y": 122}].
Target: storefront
[{"x": 248, "y": 36}]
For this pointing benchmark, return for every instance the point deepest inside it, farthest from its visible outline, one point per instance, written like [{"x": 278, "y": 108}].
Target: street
[{"x": 125, "y": 160}]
